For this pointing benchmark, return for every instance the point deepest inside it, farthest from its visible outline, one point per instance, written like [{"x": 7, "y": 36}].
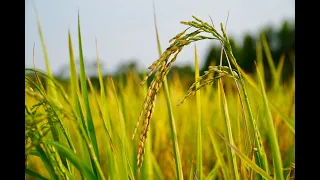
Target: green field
[{"x": 230, "y": 126}]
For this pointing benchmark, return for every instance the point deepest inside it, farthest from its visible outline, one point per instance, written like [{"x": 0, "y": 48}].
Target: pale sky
[{"x": 125, "y": 29}]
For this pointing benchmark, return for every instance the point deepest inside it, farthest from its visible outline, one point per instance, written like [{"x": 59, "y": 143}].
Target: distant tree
[
  {"x": 286, "y": 36},
  {"x": 235, "y": 49},
  {"x": 248, "y": 55},
  {"x": 130, "y": 66},
  {"x": 212, "y": 57}
]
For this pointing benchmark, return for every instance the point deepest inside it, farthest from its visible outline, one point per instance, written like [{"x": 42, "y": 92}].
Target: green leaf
[
  {"x": 34, "y": 174},
  {"x": 276, "y": 154},
  {"x": 73, "y": 158},
  {"x": 84, "y": 91}
]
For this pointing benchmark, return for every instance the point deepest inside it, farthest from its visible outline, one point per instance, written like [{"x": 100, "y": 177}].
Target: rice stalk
[{"x": 199, "y": 134}]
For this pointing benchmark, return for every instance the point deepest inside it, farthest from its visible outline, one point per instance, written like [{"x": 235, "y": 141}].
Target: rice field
[{"x": 226, "y": 125}]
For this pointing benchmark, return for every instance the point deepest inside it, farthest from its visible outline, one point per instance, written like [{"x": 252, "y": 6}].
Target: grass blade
[
  {"x": 272, "y": 134},
  {"x": 75, "y": 90},
  {"x": 105, "y": 112},
  {"x": 50, "y": 85},
  {"x": 248, "y": 161},
  {"x": 51, "y": 88},
  {"x": 228, "y": 131},
  {"x": 123, "y": 137},
  {"x": 99, "y": 108},
  {"x": 84, "y": 89},
  {"x": 199, "y": 139},
  {"x": 73, "y": 72},
  {"x": 106, "y": 120},
  {"x": 219, "y": 155},
  {"x": 171, "y": 118},
  {"x": 43, "y": 44}
]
